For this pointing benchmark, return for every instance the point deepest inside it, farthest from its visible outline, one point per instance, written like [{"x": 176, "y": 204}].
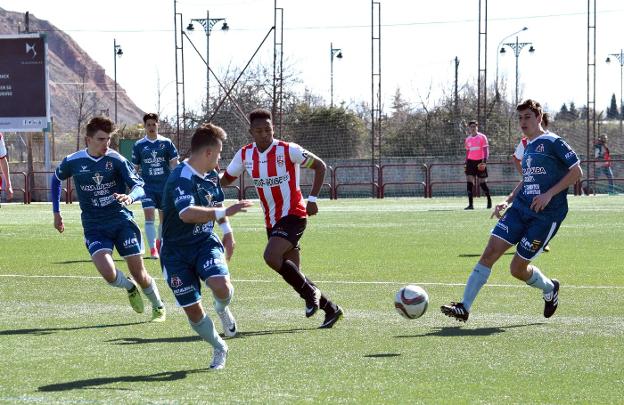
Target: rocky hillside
[{"x": 69, "y": 68}]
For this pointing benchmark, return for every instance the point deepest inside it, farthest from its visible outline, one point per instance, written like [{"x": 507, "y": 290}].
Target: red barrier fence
[{"x": 378, "y": 178}]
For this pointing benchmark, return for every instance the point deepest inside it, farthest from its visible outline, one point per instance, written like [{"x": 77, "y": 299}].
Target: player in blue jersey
[
  {"x": 102, "y": 176},
  {"x": 153, "y": 157},
  {"x": 539, "y": 205},
  {"x": 192, "y": 253}
]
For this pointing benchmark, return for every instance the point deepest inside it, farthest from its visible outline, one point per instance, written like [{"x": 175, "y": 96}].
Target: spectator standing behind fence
[
  {"x": 4, "y": 167},
  {"x": 477, "y": 151},
  {"x": 602, "y": 155}
]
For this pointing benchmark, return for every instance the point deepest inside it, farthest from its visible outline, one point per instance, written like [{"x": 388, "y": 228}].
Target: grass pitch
[{"x": 65, "y": 336}]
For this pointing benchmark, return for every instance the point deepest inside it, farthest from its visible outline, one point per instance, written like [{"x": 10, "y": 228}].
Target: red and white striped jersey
[{"x": 275, "y": 174}]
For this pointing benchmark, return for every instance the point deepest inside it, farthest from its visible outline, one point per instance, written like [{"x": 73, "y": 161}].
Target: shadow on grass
[
  {"x": 382, "y": 355},
  {"x": 83, "y": 261},
  {"x": 452, "y": 331},
  {"x": 479, "y": 254},
  {"x": 95, "y": 382},
  {"x": 48, "y": 331},
  {"x": 195, "y": 338}
]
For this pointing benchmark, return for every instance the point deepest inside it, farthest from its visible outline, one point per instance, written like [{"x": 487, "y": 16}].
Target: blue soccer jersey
[
  {"x": 153, "y": 158},
  {"x": 546, "y": 160},
  {"x": 96, "y": 180},
  {"x": 185, "y": 188}
]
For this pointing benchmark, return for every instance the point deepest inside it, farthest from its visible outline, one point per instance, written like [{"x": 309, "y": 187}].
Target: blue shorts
[
  {"x": 185, "y": 267},
  {"x": 152, "y": 199},
  {"x": 529, "y": 232},
  {"x": 124, "y": 235}
]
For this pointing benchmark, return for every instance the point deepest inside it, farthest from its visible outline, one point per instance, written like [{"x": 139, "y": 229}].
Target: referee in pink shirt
[{"x": 477, "y": 151}]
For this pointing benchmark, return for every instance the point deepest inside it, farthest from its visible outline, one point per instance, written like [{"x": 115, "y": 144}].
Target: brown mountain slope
[{"x": 68, "y": 65}]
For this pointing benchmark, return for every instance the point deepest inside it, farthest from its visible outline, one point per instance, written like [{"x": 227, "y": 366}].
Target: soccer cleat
[
  {"x": 547, "y": 248},
  {"x": 313, "y": 302},
  {"x": 228, "y": 322},
  {"x": 551, "y": 300},
  {"x": 331, "y": 318},
  {"x": 159, "y": 314},
  {"x": 470, "y": 207},
  {"x": 218, "y": 358},
  {"x": 455, "y": 310},
  {"x": 134, "y": 296},
  {"x": 154, "y": 253}
]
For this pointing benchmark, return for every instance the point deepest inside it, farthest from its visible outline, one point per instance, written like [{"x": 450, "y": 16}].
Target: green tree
[{"x": 612, "y": 110}]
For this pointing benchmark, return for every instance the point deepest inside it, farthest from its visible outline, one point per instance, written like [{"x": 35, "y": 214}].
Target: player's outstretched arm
[
  {"x": 199, "y": 215},
  {"x": 126, "y": 199}
]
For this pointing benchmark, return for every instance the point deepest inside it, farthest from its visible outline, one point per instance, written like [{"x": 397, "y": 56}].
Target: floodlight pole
[
  {"x": 333, "y": 52},
  {"x": 517, "y": 48},
  {"x": 208, "y": 23},
  {"x": 620, "y": 58},
  {"x": 116, "y": 52}
]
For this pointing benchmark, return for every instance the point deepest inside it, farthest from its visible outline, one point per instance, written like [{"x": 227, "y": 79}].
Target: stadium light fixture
[
  {"x": 516, "y": 47},
  {"x": 333, "y": 52},
  {"x": 208, "y": 23},
  {"x": 117, "y": 52},
  {"x": 502, "y": 51},
  {"x": 620, "y": 58}
]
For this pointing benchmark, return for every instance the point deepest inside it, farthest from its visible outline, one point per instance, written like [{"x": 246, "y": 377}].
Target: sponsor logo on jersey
[
  {"x": 175, "y": 282},
  {"x": 271, "y": 181},
  {"x": 533, "y": 170},
  {"x": 98, "y": 178},
  {"x": 180, "y": 191}
]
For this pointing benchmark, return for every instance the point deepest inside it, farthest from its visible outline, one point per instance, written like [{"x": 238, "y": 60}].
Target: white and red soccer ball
[{"x": 411, "y": 301}]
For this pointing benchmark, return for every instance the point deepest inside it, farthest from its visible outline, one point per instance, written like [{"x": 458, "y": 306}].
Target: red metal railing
[
  {"x": 375, "y": 188},
  {"x": 430, "y": 176},
  {"x": 597, "y": 164},
  {"x": 394, "y": 183},
  {"x": 30, "y": 190}
]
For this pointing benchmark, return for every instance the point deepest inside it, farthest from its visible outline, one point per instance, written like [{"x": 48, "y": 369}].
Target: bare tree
[{"x": 85, "y": 103}]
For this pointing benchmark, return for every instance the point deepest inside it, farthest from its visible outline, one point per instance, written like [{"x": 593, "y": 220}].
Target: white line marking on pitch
[{"x": 597, "y": 287}]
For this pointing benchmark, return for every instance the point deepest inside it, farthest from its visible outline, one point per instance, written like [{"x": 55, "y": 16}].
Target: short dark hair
[
  {"x": 473, "y": 122},
  {"x": 532, "y": 105},
  {"x": 207, "y": 135},
  {"x": 100, "y": 124},
  {"x": 150, "y": 116},
  {"x": 260, "y": 114}
]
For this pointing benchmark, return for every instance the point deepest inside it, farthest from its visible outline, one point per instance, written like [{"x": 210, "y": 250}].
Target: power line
[{"x": 324, "y": 27}]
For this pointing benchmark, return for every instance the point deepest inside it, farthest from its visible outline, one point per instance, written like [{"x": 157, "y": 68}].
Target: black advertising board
[{"x": 24, "y": 93}]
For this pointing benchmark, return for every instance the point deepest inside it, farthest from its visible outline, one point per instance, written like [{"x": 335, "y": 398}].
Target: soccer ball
[{"x": 411, "y": 301}]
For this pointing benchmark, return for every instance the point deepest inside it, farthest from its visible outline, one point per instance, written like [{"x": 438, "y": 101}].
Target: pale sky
[{"x": 420, "y": 39}]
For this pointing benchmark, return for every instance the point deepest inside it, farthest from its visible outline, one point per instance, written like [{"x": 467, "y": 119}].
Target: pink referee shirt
[{"x": 476, "y": 147}]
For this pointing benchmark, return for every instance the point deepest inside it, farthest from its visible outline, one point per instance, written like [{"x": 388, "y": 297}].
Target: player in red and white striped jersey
[
  {"x": 274, "y": 167},
  {"x": 4, "y": 168}
]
